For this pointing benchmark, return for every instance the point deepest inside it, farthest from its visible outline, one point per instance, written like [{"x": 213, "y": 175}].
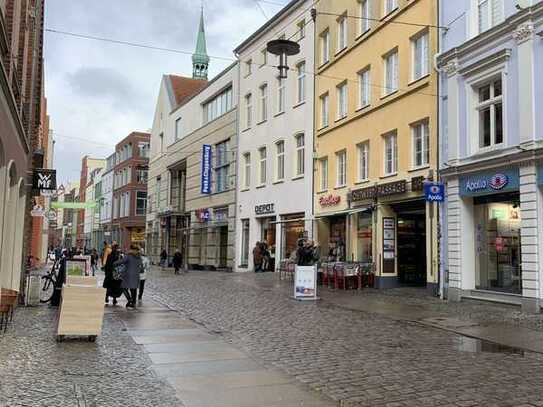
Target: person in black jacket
[
  {"x": 177, "y": 261},
  {"x": 112, "y": 286}
]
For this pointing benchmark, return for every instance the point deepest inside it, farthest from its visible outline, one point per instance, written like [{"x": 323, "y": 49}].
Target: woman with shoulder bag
[
  {"x": 131, "y": 275},
  {"x": 146, "y": 265}
]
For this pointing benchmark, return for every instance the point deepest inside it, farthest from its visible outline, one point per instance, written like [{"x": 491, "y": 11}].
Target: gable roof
[{"x": 181, "y": 88}]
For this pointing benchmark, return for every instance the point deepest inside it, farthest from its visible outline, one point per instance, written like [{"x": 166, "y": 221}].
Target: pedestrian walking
[
  {"x": 177, "y": 261},
  {"x": 105, "y": 253},
  {"x": 112, "y": 286},
  {"x": 146, "y": 266},
  {"x": 164, "y": 258},
  {"x": 94, "y": 261},
  {"x": 258, "y": 257},
  {"x": 131, "y": 276}
]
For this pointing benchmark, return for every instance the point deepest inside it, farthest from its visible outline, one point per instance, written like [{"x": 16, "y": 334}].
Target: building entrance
[
  {"x": 411, "y": 231},
  {"x": 223, "y": 246}
]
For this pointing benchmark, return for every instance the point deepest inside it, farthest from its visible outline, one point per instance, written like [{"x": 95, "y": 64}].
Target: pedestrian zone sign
[{"x": 434, "y": 191}]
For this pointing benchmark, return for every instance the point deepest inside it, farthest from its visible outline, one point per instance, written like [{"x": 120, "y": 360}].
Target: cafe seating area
[
  {"x": 335, "y": 275},
  {"x": 8, "y": 302}
]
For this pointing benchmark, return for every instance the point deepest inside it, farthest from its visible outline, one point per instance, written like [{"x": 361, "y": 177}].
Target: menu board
[{"x": 389, "y": 245}]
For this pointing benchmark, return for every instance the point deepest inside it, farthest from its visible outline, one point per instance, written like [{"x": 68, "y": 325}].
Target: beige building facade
[{"x": 376, "y": 136}]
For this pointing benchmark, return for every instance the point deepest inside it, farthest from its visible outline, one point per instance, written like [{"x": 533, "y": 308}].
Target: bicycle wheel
[{"x": 47, "y": 289}]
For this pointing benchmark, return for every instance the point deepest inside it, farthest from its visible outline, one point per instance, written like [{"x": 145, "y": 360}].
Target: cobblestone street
[{"x": 359, "y": 358}]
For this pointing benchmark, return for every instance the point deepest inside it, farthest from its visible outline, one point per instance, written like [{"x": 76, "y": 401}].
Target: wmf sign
[
  {"x": 205, "y": 186},
  {"x": 44, "y": 179}
]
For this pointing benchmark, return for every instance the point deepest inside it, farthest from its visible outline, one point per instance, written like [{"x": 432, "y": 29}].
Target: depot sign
[{"x": 330, "y": 200}]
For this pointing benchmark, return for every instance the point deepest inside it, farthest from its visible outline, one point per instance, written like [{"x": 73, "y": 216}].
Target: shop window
[
  {"x": 293, "y": 229},
  {"x": 490, "y": 113},
  {"x": 338, "y": 233},
  {"x": 498, "y": 243},
  {"x": 364, "y": 237},
  {"x": 244, "y": 242}
]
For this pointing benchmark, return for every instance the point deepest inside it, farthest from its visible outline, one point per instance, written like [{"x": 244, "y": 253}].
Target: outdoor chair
[{"x": 8, "y": 301}]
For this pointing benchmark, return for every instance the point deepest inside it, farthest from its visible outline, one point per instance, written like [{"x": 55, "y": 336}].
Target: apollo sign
[
  {"x": 496, "y": 182},
  {"x": 489, "y": 182}
]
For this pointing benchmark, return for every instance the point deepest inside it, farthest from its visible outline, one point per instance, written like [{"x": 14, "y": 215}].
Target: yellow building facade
[{"x": 376, "y": 136}]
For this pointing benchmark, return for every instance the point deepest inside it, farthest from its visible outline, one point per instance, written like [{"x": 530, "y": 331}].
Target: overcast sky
[{"x": 99, "y": 92}]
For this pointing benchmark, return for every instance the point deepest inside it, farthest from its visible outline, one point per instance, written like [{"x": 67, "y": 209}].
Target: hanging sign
[
  {"x": 205, "y": 186},
  {"x": 434, "y": 191},
  {"x": 44, "y": 179},
  {"x": 305, "y": 283},
  {"x": 37, "y": 211},
  {"x": 73, "y": 205}
]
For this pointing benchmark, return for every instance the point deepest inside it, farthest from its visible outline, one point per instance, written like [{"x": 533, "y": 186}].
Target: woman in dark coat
[
  {"x": 177, "y": 261},
  {"x": 112, "y": 286},
  {"x": 131, "y": 276}
]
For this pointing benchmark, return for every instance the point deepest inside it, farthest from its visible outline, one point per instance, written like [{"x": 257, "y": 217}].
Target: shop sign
[
  {"x": 264, "y": 209},
  {"x": 330, "y": 200},
  {"x": 389, "y": 244},
  {"x": 138, "y": 236},
  {"x": 220, "y": 215},
  {"x": 203, "y": 215},
  {"x": 37, "y": 211},
  {"x": 305, "y": 283},
  {"x": 489, "y": 182},
  {"x": 417, "y": 183},
  {"x": 391, "y": 188},
  {"x": 44, "y": 179},
  {"x": 205, "y": 186},
  {"x": 434, "y": 191}
]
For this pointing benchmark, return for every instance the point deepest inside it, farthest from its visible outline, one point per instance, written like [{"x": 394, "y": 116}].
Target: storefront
[
  {"x": 493, "y": 235},
  {"x": 392, "y": 226}
]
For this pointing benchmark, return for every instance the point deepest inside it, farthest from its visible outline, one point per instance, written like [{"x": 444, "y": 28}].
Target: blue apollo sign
[
  {"x": 490, "y": 182},
  {"x": 434, "y": 191},
  {"x": 205, "y": 183}
]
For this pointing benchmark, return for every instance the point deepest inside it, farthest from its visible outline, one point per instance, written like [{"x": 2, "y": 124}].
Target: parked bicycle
[{"x": 49, "y": 281}]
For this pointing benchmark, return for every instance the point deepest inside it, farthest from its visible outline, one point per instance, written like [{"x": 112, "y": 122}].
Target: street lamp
[{"x": 283, "y": 48}]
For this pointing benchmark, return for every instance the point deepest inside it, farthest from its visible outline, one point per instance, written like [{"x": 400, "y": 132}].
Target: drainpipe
[{"x": 440, "y": 271}]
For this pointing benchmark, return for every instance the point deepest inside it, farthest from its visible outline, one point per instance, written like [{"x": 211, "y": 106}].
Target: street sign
[
  {"x": 44, "y": 179},
  {"x": 434, "y": 191}
]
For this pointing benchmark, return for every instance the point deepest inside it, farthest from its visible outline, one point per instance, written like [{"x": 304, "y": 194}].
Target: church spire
[{"x": 200, "y": 59}]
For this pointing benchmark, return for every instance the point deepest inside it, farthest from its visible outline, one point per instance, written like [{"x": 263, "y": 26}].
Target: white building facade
[{"x": 275, "y": 145}]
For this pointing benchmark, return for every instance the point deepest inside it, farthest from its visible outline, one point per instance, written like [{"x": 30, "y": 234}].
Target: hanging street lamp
[{"x": 283, "y": 49}]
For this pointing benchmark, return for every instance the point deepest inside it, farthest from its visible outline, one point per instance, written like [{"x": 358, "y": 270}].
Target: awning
[
  {"x": 343, "y": 212},
  {"x": 291, "y": 220}
]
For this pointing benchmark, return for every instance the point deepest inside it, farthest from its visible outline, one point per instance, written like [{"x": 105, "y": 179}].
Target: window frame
[
  {"x": 425, "y": 144},
  {"x": 342, "y": 102},
  {"x": 325, "y": 46},
  {"x": 222, "y": 167},
  {"x": 491, "y": 22},
  {"x": 490, "y": 103},
  {"x": 342, "y": 32},
  {"x": 325, "y": 110},
  {"x": 262, "y": 166},
  {"x": 248, "y": 110},
  {"x": 363, "y": 153},
  {"x": 300, "y": 82},
  {"x": 300, "y": 155},
  {"x": 393, "y": 7},
  {"x": 425, "y": 61},
  {"x": 364, "y": 87},
  {"x": 138, "y": 198},
  {"x": 263, "y": 110},
  {"x": 246, "y": 170},
  {"x": 392, "y": 135},
  {"x": 281, "y": 95},
  {"x": 389, "y": 90},
  {"x": 341, "y": 168},
  {"x": 364, "y": 24},
  {"x": 324, "y": 180},
  {"x": 279, "y": 161}
]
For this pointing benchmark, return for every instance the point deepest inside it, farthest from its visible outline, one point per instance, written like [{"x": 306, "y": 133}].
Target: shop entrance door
[
  {"x": 223, "y": 246},
  {"x": 411, "y": 232}
]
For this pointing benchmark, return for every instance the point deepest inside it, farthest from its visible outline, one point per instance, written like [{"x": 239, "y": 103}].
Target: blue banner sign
[
  {"x": 434, "y": 191},
  {"x": 205, "y": 186},
  {"x": 490, "y": 182}
]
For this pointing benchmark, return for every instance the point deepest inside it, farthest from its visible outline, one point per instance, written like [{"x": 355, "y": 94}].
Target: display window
[
  {"x": 498, "y": 243},
  {"x": 338, "y": 234},
  {"x": 364, "y": 237},
  {"x": 293, "y": 228}
]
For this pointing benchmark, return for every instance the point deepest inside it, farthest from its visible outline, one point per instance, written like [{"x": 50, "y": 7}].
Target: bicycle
[{"x": 49, "y": 282}]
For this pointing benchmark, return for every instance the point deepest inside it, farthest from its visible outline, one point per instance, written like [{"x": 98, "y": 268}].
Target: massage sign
[{"x": 330, "y": 200}]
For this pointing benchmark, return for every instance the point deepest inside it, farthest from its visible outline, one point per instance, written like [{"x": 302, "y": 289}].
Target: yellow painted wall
[{"x": 413, "y": 102}]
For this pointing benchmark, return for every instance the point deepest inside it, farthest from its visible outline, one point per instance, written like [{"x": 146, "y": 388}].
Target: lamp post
[{"x": 283, "y": 49}]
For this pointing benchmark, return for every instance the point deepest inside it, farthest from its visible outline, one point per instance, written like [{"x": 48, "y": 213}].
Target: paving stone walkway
[{"x": 357, "y": 358}]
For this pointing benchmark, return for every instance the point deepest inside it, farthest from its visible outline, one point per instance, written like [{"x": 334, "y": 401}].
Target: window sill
[
  {"x": 363, "y": 181},
  {"x": 340, "y": 187},
  {"x": 323, "y": 127},
  {"x": 362, "y": 34},
  {"x": 422, "y": 167},
  {"x": 261, "y": 121},
  {"x": 261, "y": 186},
  {"x": 414, "y": 81},
  {"x": 246, "y": 129},
  {"x": 324, "y": 191},
  {"x": 298, "y": 177},
  {"x": 323, "y": 64},
  {"x": 394, "y": 174},
  {"x": 245, "y": 189},
  {"x": 341, "y": 51},
  {"x": 280, "y": 181},
  {"x": 389, "y": 13},
  {"x": 340, "y": 119},
  {"x": 299, "y": 104},
  {"x": 243, "y": 266},
  {"x": 389, "y": 94},
  {"x": 361, "y": 108},
  {"x": 279, "y": 114}
]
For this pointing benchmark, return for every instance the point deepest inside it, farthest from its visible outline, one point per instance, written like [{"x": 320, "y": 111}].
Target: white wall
[{"x": 292, "y": 195}]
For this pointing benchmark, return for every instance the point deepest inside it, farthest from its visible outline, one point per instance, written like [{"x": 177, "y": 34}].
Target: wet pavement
[{"x": 357, "y": 353}]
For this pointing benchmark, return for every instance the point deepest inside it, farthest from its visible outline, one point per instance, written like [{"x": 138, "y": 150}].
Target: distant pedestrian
[
  {"x": 177, "y": 261},
  {"x": 164, "y": 258},
  {"x": 131, "y": 276},
  {"x": 258, "y": 257},
  {"x": 146, "y": 263},
  {"x": 94, "y": 261},
  {"x": 112, "y": 286}
]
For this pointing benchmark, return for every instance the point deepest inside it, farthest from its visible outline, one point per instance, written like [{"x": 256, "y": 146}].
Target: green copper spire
[{"x": 200, "y": 59}]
